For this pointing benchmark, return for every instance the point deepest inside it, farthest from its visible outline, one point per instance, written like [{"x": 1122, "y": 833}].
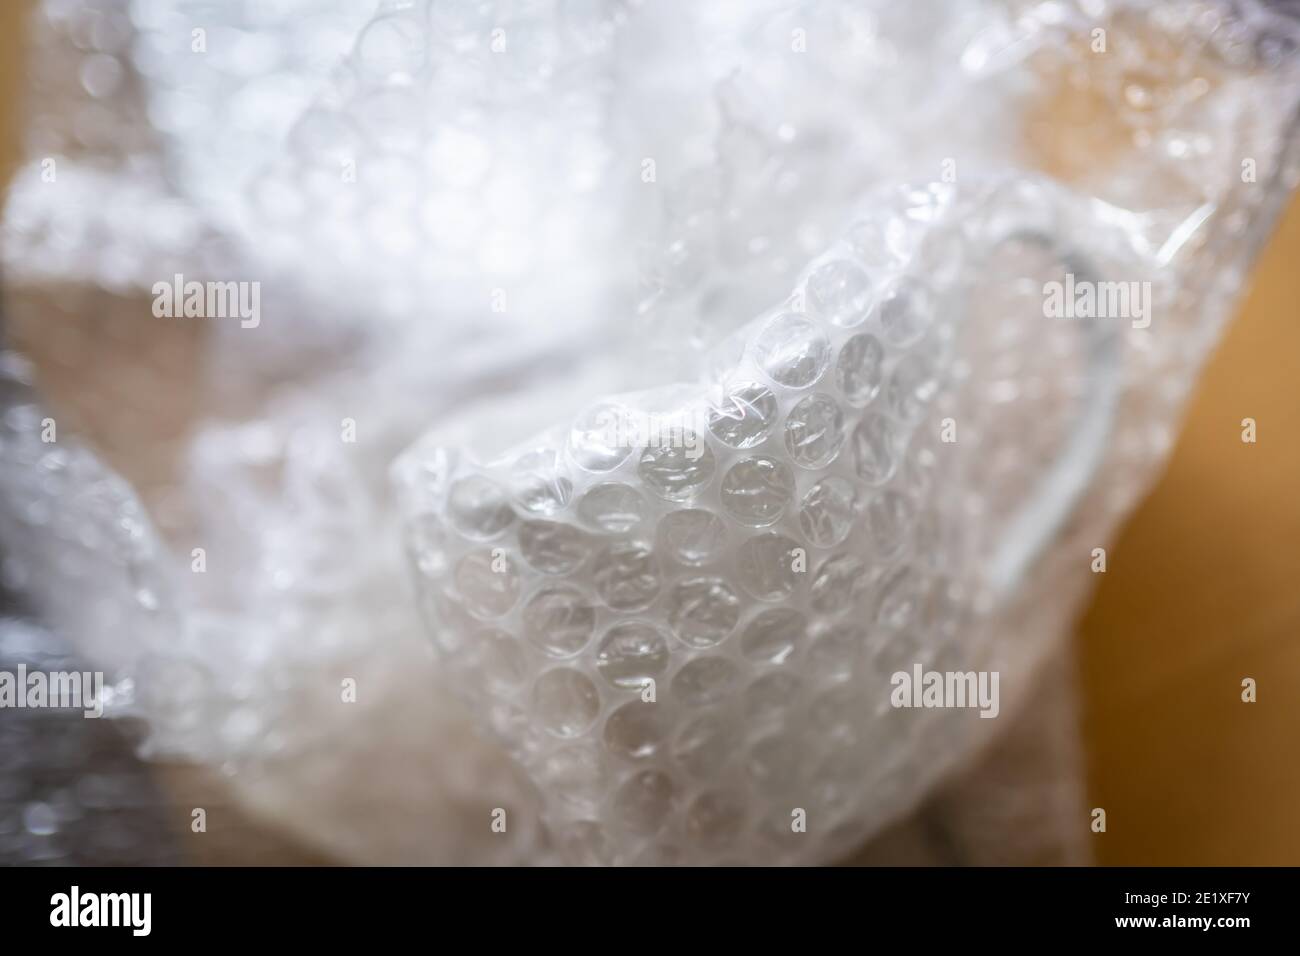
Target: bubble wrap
[
  {"x": 489, "y": 238},
  {"x": 768, "y": 549}
]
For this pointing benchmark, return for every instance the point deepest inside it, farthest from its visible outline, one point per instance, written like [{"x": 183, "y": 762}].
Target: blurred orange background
[{"x": 1202, "y": 590}]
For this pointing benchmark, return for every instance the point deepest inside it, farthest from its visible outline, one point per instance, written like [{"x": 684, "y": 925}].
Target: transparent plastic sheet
[{"x": 455, "y": 226}]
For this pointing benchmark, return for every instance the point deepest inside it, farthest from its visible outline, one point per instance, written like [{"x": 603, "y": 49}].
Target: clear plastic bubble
[
  {"x": 552, "y": 547},
  {"x": 716, "y": 819},
  {"x": 644, "y": 802},
  {"x": 776, "y": 762},
  {"x": 897, "y": 603},
  {"x": 602, "y": 437},
  {"x": 757, "y": 491},
  {"x": 613, "y": 507},
  {"x": 692, "y": 536},
  {"x": 814, "y": 431},
  {"x": 392, "y": 47},
  {"x": 702, "y": 611},
  {"x": 630, "y": 653},
  {"x": 828, "y": 510},
  {"x": 479, "y": 508},
  {"x": 565, "y": 702},
  {"x": 636, "y": 730},
  {"x": 427, "y": 541},
  {"x": 101, "y": 75},
  {"x": 768, "y": 565},
  {"x": 875, "y": 455},
  {"x": 887, "y": 520},
  {"x": 539, "y": 484},
  {"x": 488, "y": 583},
  {"x": 706, "y": 680},
  {"x": 680, "y": 468},
  {"x": 705, "y": 744},
  {"x": 833, "y": 655},
  {"x": 839, "y": 714},
  {"x": 838, "y": 584},
  {"x": 859, "y": 371},
  {"x": 499, "y": 658},
  {"x": 773, "y": 636},
  {"x": 559, "y": 620},
  {"x": 771, "y": 696},
  {"x": 744, "y": 415},
  {"x": 585, "y": 842},
  {"x": 840, "y": 292},
  {"x": 576, "y": 775},
  {"x": 882, "y": 239},
  {"x": 792, "y": 351},
  {"x": 912, "y": 386},
  {"x": 626, "y": 575},
  {"x": 906, "y": 311}
]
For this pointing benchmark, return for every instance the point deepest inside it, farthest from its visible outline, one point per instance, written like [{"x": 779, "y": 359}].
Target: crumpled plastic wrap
[{"x": 798, "y": 240}]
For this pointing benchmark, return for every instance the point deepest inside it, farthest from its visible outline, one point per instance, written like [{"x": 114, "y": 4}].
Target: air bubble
[
  {"x": 539, "y": 484},
  {"x": 773, "y": 636},
  {"x": 627, "y": 576},
  {"x": 776, "y": 762},
  {"x": 551, "y": 547},
  {"x": 601, "y": 437},
  {"x": 840, "y": 581},
  {"x": 705, "y": 744},
  {"x": 828, "y": 510},
  {"x": 565, "y": 702},
  {"x": 906, "y": 312},
  {"x": 888, "y": 519},
  {"x": 715, "y": 820},
  {"x": 814, "y": 431},
  {"x": 478, "y": 508},
  {"x": 911, "y": 387},
  {"x": 678, "y": 469},
  {"x": 644, "y": 801},
  {"x": 703, "y": 611},
  {"x": 770, "y": 697},
  {"x": 792, "y": 351},
  {"x": 840, "y": 292},
  {"x": 613, "y": 507},
  {"x": 692, "y": 536},
  {"x": 874, "y": 454},
  {"x": 636, "y": 730},
  {"x": 575, "y": 774},
  {"x": 859, "y": 373},
  {"x": 499, "y": 658},
  {"x": 833, "y": 655},
  {"x": 768, "y": 566},
  {"x": 630, "y": 654},
  {"x": 392, "y": 47},
  {"x": 744, "y": 415},
  {"x": 757, "y": 491},
  {"x": 559, "y": 621},
  {"x": 488, "y": 584}
]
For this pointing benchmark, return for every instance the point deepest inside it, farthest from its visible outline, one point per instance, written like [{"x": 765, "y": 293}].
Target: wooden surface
[
  {"x": 1203, "y": 589},
  {"x": 11, "y": 21}
]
